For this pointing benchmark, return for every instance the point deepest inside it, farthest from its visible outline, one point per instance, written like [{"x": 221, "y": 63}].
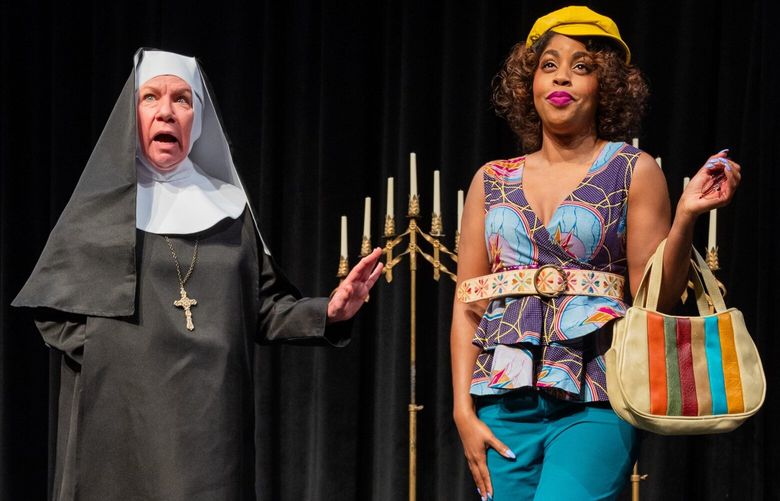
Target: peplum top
[{"x": 556, "y": 344}]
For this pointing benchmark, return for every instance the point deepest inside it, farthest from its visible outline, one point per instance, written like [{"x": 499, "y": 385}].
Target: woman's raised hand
[{"x": 713, "y": 185}]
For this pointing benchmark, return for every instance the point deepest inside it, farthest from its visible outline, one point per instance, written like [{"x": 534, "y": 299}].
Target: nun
[{"x": 153, "y": 287}]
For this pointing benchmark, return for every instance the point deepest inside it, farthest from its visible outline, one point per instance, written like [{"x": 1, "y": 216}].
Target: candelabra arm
[
  {"x": 391, "y": 261},
  {"x": 430, "y": 239},
  {"x": 432, "y": 260},
  {"x": 397, "y": 240},
  {"x": 388, "y": 270},
  {"x": 397, "y": 259},
  {"x": 436, "y": 262}
]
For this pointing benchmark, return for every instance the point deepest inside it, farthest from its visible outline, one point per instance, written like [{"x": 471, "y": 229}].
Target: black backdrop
[{"x": 323, "y": 101}]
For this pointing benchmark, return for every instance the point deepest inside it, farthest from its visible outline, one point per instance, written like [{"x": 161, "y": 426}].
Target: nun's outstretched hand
[{"x": 353, "y": 291}]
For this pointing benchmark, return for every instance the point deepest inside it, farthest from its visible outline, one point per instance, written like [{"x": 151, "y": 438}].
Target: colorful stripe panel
[
  {"x": 715, "y": 365},
  {"x": 693, "y": 366},
  {"x": 657, "y": 364},
  {"x": 690, "y": 406},
  {"x": 700, "y": 370},
  {"x": 674, "y": 405},
  {"x": 731, "y": 375}
]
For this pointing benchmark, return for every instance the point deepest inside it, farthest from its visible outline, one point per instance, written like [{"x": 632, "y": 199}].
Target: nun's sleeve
[
  {"x": 62, "y": 331},
  {"x": 286, "y": 316}
]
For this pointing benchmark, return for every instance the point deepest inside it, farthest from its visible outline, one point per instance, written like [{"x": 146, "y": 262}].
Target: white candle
[
  {"x": 367, "y": 218},
  {"x": 635, "y": 142},
  {"x": 460, "y": 207},
  {"x": 686, "y": 180},
  {"x": 658, "y": 159},
  {"x": 711, "y": 242},
  {"x": 412, "y": 174},
  {"x": 390, "y": 195},
  {"x": 436, "y": 193},
  {"x": 344, "y": 236}
]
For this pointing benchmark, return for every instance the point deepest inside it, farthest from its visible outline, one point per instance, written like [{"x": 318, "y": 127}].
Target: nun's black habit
[{"x": 147, "y": 409}]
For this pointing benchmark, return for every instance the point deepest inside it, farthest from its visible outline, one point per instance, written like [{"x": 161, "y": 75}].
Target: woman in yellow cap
[{"x": 548, "y": 241}]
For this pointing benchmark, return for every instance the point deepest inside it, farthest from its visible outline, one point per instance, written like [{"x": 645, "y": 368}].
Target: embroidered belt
[{"x": 548, "y": 281}]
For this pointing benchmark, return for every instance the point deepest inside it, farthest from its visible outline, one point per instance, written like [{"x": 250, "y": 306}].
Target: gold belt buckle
[{"x": 545, "y": 276}]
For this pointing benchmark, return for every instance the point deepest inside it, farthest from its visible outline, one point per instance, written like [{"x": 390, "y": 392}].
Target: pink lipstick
[{"x": 560, "y": 98}]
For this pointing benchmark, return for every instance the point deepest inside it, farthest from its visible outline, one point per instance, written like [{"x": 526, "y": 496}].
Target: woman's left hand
[
  {"x": 712, "y": 187},
  {"x": 353, "y": 291}
]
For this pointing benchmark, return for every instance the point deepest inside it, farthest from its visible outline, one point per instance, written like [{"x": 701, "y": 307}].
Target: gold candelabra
[
  {"x": 413, "y": 249},
  {"x": 415, "y": 235}
]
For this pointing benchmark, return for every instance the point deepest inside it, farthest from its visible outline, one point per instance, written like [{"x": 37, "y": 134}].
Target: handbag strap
[
  {"x": 710, "y": 283},
  {"x": 640, "y": 299},
  {"x": 703, "y": 280},
  {"x": 694, "y": 276},
  {"x": 656, "y": 274}
]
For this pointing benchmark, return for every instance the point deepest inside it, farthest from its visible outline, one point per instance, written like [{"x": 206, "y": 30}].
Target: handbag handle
[{"x": 700, "y": 274}]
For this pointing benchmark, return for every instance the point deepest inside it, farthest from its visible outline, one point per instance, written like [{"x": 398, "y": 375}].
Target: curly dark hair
[{"x": 623, "y": 92}]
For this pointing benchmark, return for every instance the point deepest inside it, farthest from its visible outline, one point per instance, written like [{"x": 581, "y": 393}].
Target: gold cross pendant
[{"x": 186, "y": 303}]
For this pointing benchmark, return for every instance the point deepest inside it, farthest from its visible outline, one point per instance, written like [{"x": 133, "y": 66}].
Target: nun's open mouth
[{"x": 166, "y": 138}]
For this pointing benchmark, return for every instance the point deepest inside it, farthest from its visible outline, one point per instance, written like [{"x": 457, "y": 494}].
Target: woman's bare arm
[
  {"x": 472, "y": 262},
  {"x": 649, "y": 213}
]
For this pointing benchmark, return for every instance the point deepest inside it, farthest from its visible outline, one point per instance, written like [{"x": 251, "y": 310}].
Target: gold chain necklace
[{"x": 184, "y": 302}]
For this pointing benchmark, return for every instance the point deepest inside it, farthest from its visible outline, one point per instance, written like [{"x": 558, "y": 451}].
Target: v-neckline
[{"x": 587, "y": 175}]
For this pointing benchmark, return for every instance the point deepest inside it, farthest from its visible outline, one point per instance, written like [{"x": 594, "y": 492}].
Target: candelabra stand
[
  {"x": 636, "y": 477},
  {"x": 413, "y": 232},
  {"x": 439, "y": 251}
]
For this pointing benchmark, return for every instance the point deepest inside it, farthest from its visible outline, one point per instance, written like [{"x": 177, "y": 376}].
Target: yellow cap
[{"x": 577, "y": 21}]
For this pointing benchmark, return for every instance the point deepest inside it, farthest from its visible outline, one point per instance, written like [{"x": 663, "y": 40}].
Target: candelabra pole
[
  {"x": 416, "y": 236},
  {"x": 414, "y": 408},
  {"x": 636, "y": 477}
]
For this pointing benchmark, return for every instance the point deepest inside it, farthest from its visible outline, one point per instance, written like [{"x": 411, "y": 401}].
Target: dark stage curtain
[{"x": 323, "y": 101}]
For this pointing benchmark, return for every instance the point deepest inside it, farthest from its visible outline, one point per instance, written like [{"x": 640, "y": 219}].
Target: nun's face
[{"x": 165, "y": 117}]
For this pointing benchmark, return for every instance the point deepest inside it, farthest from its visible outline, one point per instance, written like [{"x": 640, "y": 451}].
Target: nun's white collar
[{"x": 183, "y": 201}]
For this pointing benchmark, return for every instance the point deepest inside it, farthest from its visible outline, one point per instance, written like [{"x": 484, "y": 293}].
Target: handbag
[{"x": 677, "y": 375}]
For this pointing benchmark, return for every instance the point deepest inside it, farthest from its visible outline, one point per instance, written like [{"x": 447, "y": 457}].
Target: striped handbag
[{"x": 683, "y": 375}]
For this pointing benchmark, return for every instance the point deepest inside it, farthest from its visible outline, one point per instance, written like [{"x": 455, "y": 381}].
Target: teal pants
[{"x": 565, "y": 451}]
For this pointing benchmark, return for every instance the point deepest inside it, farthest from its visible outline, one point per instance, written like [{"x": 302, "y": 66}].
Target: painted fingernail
[
  {"x": 717, "y": 161},
  {"x": 724, "y": 150},
  {"x": 508, "y": 453},
  {"x": 490, "y": 497}
]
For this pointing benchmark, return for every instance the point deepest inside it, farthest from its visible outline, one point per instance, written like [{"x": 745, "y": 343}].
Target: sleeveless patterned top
[{"x": 556, "y": 343}]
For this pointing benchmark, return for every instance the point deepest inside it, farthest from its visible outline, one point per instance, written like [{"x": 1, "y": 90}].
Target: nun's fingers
[{"x": 362, "y": 271}]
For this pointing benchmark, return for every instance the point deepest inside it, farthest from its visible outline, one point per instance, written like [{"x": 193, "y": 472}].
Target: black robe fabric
[
  {"x": 147, "y": 409},
  {"x": 151, "y": 411}
]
